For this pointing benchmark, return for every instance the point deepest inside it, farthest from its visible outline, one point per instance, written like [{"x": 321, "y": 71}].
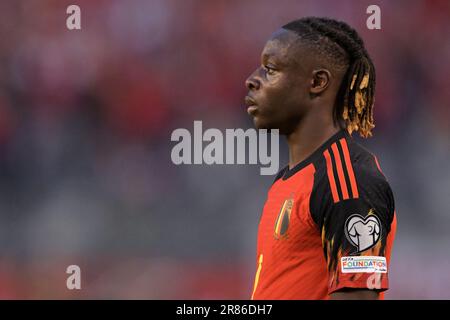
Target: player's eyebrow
[{"x": 265, "y": 57}]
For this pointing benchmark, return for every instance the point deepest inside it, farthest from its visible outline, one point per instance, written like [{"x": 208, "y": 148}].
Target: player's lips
[{"x": 251, "y": 104}]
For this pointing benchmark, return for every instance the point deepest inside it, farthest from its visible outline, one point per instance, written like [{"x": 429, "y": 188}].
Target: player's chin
[
  {"x": 264, "y": 123},
  {"x": 260, "y": 122},
  {"x": 262, "y": 119}
]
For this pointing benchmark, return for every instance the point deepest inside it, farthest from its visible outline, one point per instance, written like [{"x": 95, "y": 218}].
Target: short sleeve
[{"x": 355, "y": 225}]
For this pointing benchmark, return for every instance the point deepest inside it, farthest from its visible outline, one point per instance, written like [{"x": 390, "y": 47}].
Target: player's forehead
[{"x": 283, "y": 46}]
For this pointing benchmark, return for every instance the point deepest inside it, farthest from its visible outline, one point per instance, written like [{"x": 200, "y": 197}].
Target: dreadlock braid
[{"x": 354, "y": 103}]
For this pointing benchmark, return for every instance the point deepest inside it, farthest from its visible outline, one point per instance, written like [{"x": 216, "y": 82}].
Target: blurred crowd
[{"x": 85, "y": 123}]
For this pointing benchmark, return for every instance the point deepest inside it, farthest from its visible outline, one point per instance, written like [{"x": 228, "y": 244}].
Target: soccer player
[{"x": 328, "y": 224}]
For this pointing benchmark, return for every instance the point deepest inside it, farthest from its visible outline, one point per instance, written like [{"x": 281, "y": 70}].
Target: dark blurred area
[{"x": 85, "y": 122}]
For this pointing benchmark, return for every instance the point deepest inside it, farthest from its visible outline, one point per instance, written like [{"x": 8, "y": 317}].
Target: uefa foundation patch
[{"x": 368, "y": 264}]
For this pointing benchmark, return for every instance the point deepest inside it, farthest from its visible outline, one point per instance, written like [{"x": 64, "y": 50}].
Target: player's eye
[{"x": 269, "y": 70}]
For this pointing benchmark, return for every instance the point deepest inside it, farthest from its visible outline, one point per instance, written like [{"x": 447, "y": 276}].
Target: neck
[{"x": 309, "y": 135}]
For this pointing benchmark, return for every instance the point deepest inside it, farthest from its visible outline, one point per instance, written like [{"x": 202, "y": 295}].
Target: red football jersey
[{"x": 327, "y": 224}]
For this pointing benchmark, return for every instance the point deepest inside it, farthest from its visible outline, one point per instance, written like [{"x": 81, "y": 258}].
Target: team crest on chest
[{"x": 283, "y": 219}]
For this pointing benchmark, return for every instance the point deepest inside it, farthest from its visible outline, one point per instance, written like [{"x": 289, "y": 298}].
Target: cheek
[
  {"x": 298, "y": 93},
  {"x": 283, "y": 95},
  {"x": 278, "y": 89},
  {"x": 287, "y": 95}
]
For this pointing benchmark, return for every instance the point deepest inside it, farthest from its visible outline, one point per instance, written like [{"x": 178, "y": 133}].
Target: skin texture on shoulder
[{"x": 295, "y": 90}]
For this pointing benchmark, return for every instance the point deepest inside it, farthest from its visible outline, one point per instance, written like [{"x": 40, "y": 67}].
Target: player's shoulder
[
  {"x": 363, "y": 161},
  {"x": 365, "y": 165},
  {"x": 348, "y": 170}
]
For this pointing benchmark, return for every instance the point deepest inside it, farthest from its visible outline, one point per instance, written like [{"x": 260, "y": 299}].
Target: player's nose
[{"x": 252, "y": 83}]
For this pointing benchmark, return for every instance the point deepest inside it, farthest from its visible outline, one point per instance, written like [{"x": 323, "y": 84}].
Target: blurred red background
[{"x": 85, "y": 122}]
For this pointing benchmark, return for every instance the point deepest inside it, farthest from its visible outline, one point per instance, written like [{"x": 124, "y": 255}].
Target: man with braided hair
[{"x": 329, "y": 222}]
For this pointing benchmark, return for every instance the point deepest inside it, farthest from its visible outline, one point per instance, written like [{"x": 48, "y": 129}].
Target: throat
[{"x": 303, "y": 144}]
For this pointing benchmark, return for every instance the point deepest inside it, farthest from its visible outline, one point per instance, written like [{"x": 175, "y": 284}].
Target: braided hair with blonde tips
[{"x": 344, "y": 48}]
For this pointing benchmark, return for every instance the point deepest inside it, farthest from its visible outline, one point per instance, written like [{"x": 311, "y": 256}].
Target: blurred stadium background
[{"x": 85, "y": 123}]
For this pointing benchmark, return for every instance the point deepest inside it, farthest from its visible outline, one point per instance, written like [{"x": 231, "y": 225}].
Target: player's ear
[{"x": 320, "y": 81}]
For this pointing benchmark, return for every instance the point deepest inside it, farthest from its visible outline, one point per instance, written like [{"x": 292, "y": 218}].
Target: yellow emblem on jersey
[{"x": 282, "y": 222}]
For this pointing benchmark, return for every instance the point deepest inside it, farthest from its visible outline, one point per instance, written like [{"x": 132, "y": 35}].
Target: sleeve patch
[
  {"x": 363, "y": 233},
  {"x": 366, "y": 264}
]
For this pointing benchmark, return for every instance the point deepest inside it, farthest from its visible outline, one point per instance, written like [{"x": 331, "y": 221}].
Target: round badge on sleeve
[{"x": 363, "y": 233}]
